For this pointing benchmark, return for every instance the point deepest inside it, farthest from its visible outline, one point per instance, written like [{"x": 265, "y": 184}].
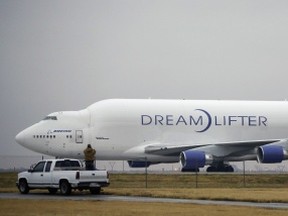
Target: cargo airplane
[{"x": 148, "y": 131}]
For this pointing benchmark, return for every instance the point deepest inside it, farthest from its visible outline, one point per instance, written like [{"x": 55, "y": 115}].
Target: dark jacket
[{"x": 89, "y": 154}]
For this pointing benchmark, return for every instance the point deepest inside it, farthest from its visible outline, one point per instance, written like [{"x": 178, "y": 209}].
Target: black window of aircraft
[
  {"x": 50, "y": 118},
  {"x": 44, "y": 136}
]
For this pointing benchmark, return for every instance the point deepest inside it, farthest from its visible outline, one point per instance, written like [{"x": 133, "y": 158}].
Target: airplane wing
[
  {"x": 221, "y": 149},
  {"x": 195, "y": 156}
]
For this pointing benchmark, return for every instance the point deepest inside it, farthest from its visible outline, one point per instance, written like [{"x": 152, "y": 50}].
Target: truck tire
[
  {"x": 95, "y": 190},
  {"x": 65, "y": 187},
  {"x": 23, "y": 186},
  {"x": 52, "y": 190}
]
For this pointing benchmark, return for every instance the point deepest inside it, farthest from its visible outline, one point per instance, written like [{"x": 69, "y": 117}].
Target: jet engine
[
  {"x": 192, "y": 160},
  {"x": 271, "y": 154}
]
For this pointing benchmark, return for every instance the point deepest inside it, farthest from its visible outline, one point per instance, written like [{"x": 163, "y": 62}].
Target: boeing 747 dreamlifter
[{"x": 145, "y": 132}]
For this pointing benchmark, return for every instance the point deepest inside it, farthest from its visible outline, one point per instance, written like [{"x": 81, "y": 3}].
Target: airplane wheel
[
  {"x": 65, "y": 187},
  {"x": 23, "y": 186}
]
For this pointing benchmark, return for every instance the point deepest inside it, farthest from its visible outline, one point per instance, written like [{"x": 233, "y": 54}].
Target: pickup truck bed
[{"x": 63, "y": 174}]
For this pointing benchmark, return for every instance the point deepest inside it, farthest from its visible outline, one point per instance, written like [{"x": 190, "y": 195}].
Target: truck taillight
[{"x": 77, "y": 175}]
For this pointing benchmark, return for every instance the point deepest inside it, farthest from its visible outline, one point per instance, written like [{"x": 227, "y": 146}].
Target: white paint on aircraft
[{"x": 196, "y": 132}]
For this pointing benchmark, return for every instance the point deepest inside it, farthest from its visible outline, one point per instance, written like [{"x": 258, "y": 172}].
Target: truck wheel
[
  {"x": 23, "y": 186},
  {"x": 65, "y": 187},
  {"x": 95, "y": 190},
  {"x": 52, "y": 190}
]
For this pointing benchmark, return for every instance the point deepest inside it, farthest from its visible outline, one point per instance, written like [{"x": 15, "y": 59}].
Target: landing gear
[
  {"x": 190, "y": 170},
  {"x": 220, "y": 167}
]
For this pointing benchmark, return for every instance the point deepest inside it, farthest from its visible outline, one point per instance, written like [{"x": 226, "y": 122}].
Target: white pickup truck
[{"x": 63, "y": 174}]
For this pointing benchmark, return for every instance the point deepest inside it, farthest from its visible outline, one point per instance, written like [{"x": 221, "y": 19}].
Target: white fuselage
[{"x": 120, "y": 129}]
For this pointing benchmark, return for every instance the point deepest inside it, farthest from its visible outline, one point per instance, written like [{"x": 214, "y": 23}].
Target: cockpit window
[{"x": 50, "y": 118}]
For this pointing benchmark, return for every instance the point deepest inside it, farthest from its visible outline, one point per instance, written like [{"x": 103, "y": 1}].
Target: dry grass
[
  {"x": 48, "y": 207},
  {"x": 203, "y": 181},
  {"x": 244, "y": 194},
  {"x": 7, "y": 182},
  {"x": 259, "y": 188}
]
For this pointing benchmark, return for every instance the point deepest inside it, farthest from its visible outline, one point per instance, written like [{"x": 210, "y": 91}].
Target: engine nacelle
[
  {"x": 192, "y": 160},
  {"x": 139, "y": 164},
  {"x": 271, "y": 154}
]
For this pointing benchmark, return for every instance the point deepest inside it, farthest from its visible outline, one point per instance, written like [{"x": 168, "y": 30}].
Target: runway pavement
[{"x": 46, "y": 196}]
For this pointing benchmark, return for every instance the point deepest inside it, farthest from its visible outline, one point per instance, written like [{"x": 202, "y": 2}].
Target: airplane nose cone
[
  {"x": 20, "y": 138},
  {"x": 26, "y": 139}
]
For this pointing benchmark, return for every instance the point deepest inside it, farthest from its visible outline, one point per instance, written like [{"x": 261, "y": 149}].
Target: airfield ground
[
  {"x": 257, "y": 188},
  {"x": 48, "y": 207}
]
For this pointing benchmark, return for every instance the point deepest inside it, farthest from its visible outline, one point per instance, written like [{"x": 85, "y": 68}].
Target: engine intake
[
  {"x": 192, "y": 160},
  {"x": 271, "y": 154}
]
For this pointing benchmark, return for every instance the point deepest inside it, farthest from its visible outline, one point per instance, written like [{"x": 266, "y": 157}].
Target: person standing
[{"x": 89, "y": 154}]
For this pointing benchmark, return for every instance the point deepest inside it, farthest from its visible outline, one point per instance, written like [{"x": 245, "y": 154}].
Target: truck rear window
[{"x": 67, "y": 165}]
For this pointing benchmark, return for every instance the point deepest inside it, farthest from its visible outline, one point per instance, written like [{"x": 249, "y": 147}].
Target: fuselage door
[{"x": 79, "y": 136}]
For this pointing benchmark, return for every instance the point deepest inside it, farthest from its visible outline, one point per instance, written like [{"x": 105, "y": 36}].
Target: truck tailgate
[{"x": 93, "y": 176}]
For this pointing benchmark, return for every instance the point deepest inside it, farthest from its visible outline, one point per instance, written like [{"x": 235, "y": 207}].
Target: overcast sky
[{"x": 66, "y": 55}]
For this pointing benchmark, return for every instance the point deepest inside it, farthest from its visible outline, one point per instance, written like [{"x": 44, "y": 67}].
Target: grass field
[
  {"x": 99, "y": 208},
  {"x": 258, "y": 188},
  {"x": 199, "y": 181}
]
